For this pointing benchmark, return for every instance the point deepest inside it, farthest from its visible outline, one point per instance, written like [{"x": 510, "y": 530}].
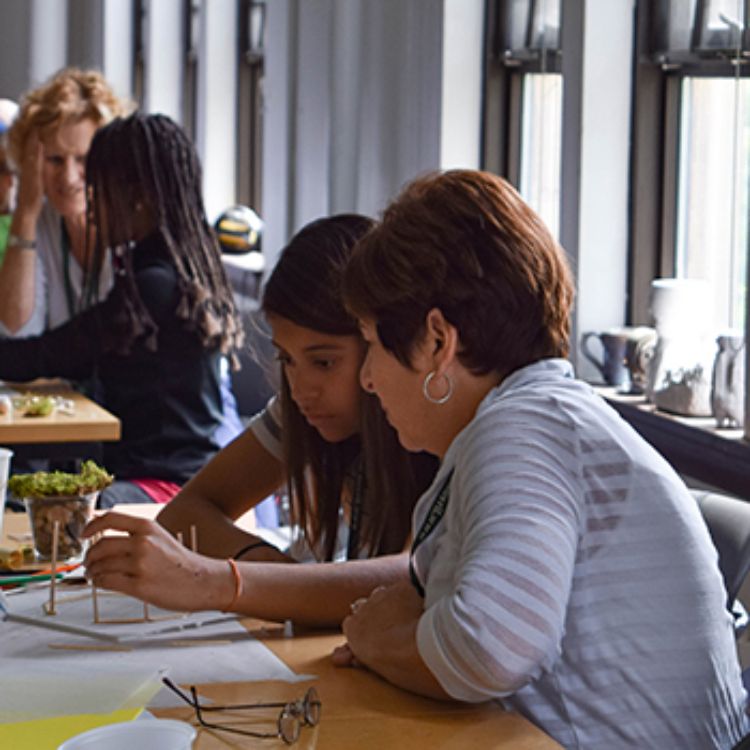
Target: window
[
  {"x": 698, "y": 50},
  {"x": 523, "y": 80},
  {"x": 541, "y": 140},
  {"x": 691, "y": 153},
  {"x": 712, "y": 190}
]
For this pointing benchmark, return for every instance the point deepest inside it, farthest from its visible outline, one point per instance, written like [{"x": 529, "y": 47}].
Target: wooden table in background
[{"x": 89, "y": 422}]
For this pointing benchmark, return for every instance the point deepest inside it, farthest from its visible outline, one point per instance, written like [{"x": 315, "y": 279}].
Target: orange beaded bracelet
[{"x": 237, "y": 584}]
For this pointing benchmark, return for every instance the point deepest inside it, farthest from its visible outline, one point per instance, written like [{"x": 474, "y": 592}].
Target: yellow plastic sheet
[{"x": 48, "y": 734}]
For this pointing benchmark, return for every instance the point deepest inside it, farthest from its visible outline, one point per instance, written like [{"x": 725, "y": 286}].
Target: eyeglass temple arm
[{"x": 175, "y": 689}]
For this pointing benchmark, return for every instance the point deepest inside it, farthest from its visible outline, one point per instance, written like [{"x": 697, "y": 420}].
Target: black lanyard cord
[
  {"x": 69, "y": 296},
  {"x": 431, "y": 520},
  {"x": 355, "y": 522}
]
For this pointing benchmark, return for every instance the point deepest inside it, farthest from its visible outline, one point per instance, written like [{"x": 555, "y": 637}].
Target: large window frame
[
  {"x": 522, "y": 39},
  {"x": 661, "y": 65},
  {"x": 694, "y": 446}
]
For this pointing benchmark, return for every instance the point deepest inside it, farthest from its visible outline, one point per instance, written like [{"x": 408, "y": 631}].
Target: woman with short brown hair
[{"x": 556, "y": 551}]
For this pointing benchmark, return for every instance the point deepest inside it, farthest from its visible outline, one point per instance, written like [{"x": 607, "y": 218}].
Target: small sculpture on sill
[
  {"x": 728, "y": 391},
  {"x": 683, "y": 390}
]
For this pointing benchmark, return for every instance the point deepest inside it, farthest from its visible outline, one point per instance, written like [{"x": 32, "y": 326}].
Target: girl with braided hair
[{"x": 155, "y": 342}]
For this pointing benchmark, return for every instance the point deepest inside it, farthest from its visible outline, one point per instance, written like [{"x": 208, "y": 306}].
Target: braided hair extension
[{"x": 147, "y": 163}]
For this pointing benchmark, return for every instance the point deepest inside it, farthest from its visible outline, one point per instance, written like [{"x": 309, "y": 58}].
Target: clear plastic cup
[
  {"x": 5, "y": 456},
  {"x": 72, "y": 513}
]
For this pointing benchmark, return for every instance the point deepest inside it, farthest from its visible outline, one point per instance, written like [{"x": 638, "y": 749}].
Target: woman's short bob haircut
[
  {"x": 69, "y": 96},
  {"x": 464, "y": 242}
]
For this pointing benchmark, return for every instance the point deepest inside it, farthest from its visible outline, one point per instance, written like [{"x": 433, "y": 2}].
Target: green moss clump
[{"x": 91, "y": 478}]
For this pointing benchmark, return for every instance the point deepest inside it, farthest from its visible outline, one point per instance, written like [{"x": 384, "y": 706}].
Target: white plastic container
[
  {"x": 141, "y": 734},
  {"x": 5, "y": 456}
]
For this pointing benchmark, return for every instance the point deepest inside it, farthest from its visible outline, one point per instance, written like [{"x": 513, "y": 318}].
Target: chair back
[{"x": 728, "y": 521}]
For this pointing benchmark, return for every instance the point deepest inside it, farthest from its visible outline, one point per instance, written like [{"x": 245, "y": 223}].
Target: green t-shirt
[{"x": 4, "y": 231}]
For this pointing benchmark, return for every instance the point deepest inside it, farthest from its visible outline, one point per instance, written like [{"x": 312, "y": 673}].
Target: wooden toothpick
[
  {"x": 193, "y": 538},
  {"x": 94, "y": 598},
  {"x": 55, "y": 534}
]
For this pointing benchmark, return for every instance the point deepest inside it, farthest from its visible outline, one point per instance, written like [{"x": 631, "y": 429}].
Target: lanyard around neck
[
  {"x": 69, "y": 296},
  {"x": 355, "y": 523},
  {"x": 432, "y": 519}
]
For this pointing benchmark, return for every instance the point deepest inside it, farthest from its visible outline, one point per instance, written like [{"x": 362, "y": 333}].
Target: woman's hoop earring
[{"x": 426, "y": 392}]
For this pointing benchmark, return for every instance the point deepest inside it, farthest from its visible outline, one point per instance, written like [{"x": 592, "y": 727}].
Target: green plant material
[
  {"x": 35, "y": 406},
  {"x": 91, "y": 478}
]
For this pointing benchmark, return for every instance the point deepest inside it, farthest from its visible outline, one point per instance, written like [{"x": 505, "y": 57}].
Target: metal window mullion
[
  {"x": 670, "y": 184},
  {"x": 515, "y": 128},
  {"x": 139, "y": 35},
  {"x": 530, "y": 24},
  {"x": 699, "y": 24},
  {"x": 191, "y": 43}
]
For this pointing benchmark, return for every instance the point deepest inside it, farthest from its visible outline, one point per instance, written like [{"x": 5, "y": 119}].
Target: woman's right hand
[
  {"x": 147, "y": 562},
  {"x": 31, "y": 182}
]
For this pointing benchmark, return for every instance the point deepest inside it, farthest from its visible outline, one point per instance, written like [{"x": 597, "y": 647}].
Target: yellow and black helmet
[{"x": 239, "y": 230}]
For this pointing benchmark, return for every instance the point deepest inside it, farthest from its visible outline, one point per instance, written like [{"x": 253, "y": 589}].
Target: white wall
[
  {"x": 597, "y": 48},
  {"x": 361, "y": 97},
  {"x": 461, "y": 115},
  {"x": 162, "y": 50},
  {"x": 216, "y": 136}
]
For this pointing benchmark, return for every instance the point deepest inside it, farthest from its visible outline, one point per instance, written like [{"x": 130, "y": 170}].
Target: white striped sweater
[{"x": 572, "y": 577}]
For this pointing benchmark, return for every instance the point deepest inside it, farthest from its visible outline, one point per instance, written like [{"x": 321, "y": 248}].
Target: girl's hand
[
  {"x": 147, "y": 562},
  {"x": 31, "y": 181}
]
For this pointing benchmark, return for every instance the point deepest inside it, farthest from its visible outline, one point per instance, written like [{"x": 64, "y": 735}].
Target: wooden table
[
  {"x": 89, "y": 422},
  {"x": 359, "y": 710}
]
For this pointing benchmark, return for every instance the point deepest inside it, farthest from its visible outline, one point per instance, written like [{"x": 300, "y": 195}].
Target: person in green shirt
[{"x": 8, "y": 111}]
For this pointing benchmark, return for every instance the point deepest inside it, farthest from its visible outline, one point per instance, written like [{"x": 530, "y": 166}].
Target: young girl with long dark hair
[{"x": 351, "y": 485}]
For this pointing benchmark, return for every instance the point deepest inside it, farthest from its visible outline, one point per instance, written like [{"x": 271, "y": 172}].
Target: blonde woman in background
[{"x": 47, "y": 255}]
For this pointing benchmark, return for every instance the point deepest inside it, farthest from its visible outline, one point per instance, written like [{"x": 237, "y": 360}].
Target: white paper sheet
[{"x": 220, "y": 652}]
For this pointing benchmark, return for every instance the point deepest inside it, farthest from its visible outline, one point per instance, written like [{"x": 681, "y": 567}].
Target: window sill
[{"x": 694, "y": 446}]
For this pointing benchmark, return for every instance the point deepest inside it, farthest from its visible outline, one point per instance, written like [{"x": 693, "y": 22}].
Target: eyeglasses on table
[{"x": 293, "y": 715}]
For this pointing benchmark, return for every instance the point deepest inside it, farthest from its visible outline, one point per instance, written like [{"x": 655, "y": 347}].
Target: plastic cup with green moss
[{"x": 56, "y": 496}]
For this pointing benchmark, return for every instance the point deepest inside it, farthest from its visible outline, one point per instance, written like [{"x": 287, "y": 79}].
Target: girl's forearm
[{"x": 316, "y": 594}]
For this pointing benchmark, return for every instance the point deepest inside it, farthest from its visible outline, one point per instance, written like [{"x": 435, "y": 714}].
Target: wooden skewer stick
[
  {"x": 193, "y": 538},
  {"x": 95, "y": 604},
  {"x": 94, "y": 598},
  {"x": 55, "y": 537},
  {"x": 88, "y": 647}
]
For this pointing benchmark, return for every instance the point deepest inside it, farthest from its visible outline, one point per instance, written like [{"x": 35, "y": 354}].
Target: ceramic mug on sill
[{"x": 626, "y": 352}]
